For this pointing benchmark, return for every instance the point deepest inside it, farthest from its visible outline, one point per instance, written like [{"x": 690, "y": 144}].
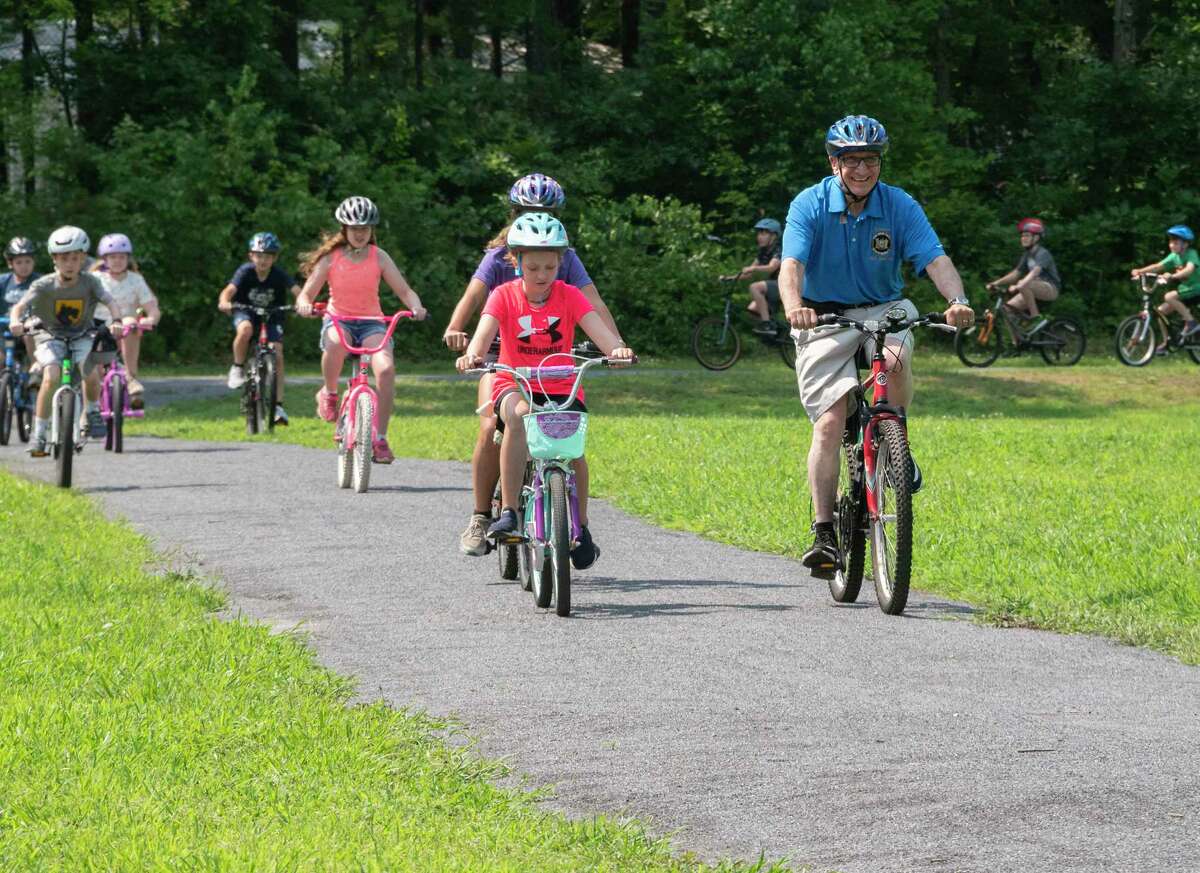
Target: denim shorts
[
  {"x": 274, "y": 323},
  {"x": 356, "y": 332}
]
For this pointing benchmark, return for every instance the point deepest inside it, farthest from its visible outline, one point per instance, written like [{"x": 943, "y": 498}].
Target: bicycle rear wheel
[
  {"x": 787, "y": 351},
  {"x": 716, "y": 343},
  {"x": 980, "y": 344},
  {"x": 6, "y": 407},
  {"x": 364, "y": 415},
  {"x": 1069, "y": 342},
  {"x": 891, "y": 532},
  {"x": 507, "y": 553},
  {"x": 846, "y": 583},
  {"x": 1136, "y": 340},
  {"x": 267, "y": 392},
  {"x": 64, "y": 444},
  {"x": 116, "y": 425},
  {"x": 560, "y": 541},
  {"x": 23, "y": 403}
]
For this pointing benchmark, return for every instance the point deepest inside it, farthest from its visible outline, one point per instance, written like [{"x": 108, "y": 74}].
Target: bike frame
[
  {"x": 111, "y": 371},
  {"x": 359, "y": 383},
  {"x": 12, "y": 365},
  {"x": 1150, "y": 314}
]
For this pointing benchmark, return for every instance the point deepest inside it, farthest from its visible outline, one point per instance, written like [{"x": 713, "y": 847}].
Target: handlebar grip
[
  {"x": 935, "y": 318},
  {"x": 828, "y": 318}
]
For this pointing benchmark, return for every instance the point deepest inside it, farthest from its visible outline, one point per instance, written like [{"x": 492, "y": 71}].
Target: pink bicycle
[
  {"x": 358, "y": 411},
  {"x": 115, "y": 403}
]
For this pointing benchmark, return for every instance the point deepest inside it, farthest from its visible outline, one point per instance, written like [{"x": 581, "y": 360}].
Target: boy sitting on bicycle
[
  {"x": 19, "y": 255},
  {"x": 1035, "y": 277},
  {"x": 536, "y": 315},
  {"x": 64, "y": 302},
  {"x": 764, "y": 294},
  {"x": 1182, "y": 263},
  {"x": 258, "y": 283}
]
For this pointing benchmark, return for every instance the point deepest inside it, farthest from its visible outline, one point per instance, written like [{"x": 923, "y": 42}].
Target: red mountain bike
[{"x": 875, "y": 487}]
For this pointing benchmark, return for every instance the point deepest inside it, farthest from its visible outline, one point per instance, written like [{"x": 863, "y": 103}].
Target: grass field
[
  {"x": 139, "y": 732},
  {"x": 1057, "y": 498}
]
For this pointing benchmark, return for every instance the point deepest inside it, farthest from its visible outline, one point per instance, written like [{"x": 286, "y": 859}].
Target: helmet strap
[
  {"x": 518, "y": 267},
  {"x": 853, "y": 199}
]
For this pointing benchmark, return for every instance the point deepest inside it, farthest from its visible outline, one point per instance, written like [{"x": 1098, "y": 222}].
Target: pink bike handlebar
[{"x": 320, "y": 309}]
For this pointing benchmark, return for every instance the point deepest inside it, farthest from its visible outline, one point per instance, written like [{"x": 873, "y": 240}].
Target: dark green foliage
[{"x": 203, "y": 133}]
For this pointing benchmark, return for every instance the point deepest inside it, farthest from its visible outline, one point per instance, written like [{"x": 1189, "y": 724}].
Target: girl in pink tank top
[{"x": 353, "y": 264}]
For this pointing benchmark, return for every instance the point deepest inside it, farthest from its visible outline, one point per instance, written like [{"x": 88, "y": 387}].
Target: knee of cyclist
[{"x": 244, "y": 328}]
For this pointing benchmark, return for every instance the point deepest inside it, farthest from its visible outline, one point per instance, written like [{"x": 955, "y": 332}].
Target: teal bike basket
[{"x": 556, "y": 435}]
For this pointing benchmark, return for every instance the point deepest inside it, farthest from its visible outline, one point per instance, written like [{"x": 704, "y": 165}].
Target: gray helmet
[
  {"x": 19, "y": 245},
  {"x": 357, "y": 211},
  {"x": 769, "y": 224},
  {"x": 68, "y": 238}
]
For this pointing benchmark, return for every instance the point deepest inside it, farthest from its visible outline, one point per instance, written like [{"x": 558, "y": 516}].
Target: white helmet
[
  {"x": 68, "y": 238},
  {"x": 357, "y": 211}
]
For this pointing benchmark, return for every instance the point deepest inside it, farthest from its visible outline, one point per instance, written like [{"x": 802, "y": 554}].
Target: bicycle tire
[
  {"x": 364, "y": 415},
  {"x": 24, "y": 410},
  {"x": 345, "y": 459},
  {"x": 1194, "y": 351},
  {"x": 6, "y": 407},
  {"x": 716, "y": 345},
  {"x": 891, "y": 554},
  {"x": 787, "y": 351},
  {"x": 1072, "y": 342},
  {"x": 525, "y": 549},
  {"x": 64, "y": 445},
  {"x": 1129, "y": 347},
  {"x": 267, "y": 392},
  {"x": 117, "y": 422},
  {"x": 542, "y": 580},
  {"x": 846, "y": 583},
  {"x": 560, "y": 542},
  {"x": 507, "y": 554},
  {"x": 980, "y": 344},
  {"x": 250, "y": 404}
]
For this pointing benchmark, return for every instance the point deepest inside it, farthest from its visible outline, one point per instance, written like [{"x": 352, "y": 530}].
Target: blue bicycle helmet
[
  {"x": 537, "y": 190},
  {"x": 1182, "y": 231},
  {"x": 537, "y": 230},
  {"x": 855, "y": 133},
  {"x": 769, "y": 224},
  {"x": 265, "y": 241}
]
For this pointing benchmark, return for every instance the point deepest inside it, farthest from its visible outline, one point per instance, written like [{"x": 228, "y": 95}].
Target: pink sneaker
[
  {"x": 326, "y": 405},
  {"x": 381, "y": 453}
]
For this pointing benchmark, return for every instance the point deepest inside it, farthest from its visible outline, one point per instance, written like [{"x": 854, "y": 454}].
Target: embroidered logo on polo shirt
[{"x": 881, "y": 243}]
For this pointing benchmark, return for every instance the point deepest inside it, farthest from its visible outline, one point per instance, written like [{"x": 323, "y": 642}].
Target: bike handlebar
[
  {"x": 320, "y": 310},
  {"x": 524, "y": 375},
  {"x": 260, "y": 310},
  {"x": 884, "y": 325}
]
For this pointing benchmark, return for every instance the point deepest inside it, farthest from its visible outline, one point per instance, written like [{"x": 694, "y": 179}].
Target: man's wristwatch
[{"x": 960, "y": 301}]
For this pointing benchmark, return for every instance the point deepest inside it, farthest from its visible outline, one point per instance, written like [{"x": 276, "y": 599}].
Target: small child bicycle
[
  {"x": 260, "y": 394},
  {"x": 16, "y": 399},
  {"x": 115, "y": 402},
  {"x": 357, "y": 418},
  {"x": 549, "y": 504}
]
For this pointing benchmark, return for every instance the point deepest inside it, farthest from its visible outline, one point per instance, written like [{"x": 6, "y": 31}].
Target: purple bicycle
[{"x": 115, "y": 403}]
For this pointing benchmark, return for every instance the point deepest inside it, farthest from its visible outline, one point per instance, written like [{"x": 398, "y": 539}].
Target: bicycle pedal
[{"x": 505, "y": 539}]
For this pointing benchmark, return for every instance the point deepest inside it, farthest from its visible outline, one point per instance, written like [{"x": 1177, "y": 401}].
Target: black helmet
[{"x": 19, "y": 245}]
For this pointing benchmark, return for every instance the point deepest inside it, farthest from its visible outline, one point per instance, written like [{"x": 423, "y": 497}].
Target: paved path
[{"x": 716, "y": 692}]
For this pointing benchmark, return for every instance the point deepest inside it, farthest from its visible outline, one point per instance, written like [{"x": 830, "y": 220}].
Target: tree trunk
[
  {"x": 1124, "y": 32},
  {"x": 541, "y": 43},
  {"x": 87, "y": 99},
  {"x": 347, "y": 54},
  {"x": 496, "y": 35},
  {"x": 419, "y": 42},
  {"x": 463, "y": 17},
  {"x": 630, "y": 21},
  {"x": 287, "y": 33}
]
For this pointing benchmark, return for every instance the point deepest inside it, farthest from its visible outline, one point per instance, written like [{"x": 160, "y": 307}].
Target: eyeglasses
[{"x": 871, "y": 162}]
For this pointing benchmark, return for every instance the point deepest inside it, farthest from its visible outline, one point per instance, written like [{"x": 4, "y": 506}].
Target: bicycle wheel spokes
[
  {"x": 364, "y": 417},
  {"x": 715, "y": 343},
  {"x": 980, "y": 344},
  {"x": 891, "y": 529},
  {"x": 1135, "y": 341},
  {"x": 1067, "y": 342}
]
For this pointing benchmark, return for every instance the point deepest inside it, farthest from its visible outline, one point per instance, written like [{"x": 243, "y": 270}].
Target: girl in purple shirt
[{"x": 533, "y": 193}]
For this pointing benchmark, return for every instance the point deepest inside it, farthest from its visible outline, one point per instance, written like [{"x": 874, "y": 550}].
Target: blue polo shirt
[{"x": 856, "y": 260}]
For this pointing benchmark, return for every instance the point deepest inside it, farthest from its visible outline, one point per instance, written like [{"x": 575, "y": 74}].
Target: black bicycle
[
  {"x": 1141, "y": 335},
  {"x": 260, "y": 391},
  {"x": 998, "y": 331},
  {"x": 16, "y": 399},
  {"x": 717, "y": 344}
]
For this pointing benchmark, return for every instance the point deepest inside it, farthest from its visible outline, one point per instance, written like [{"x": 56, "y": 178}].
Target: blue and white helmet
[
  {"x": 537, "y": 190},
  {"x": 357, "y": 211},
  {"x": 770, "y": 225},
  {"x": 537, "y": 230},
  {"x": 1182, "y": 231},
  {"x": 855, "y": 133},
  {"x": 68, "y": 238}
]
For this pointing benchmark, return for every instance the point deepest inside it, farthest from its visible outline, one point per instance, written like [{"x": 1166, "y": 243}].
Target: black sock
[
  {"x": 826, "y": 526},
  {"x": 484, "y": 513}
]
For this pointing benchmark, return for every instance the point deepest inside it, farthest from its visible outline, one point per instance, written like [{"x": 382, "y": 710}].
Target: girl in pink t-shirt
[
  {"x": 536, "y": 315},
  {"x": 353, "y": 265}
]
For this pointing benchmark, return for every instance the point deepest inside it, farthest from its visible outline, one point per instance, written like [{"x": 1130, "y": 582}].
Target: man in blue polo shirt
[{"x": 842, "y": 247}]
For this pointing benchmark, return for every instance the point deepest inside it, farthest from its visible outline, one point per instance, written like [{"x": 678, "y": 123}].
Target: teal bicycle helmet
[
  {"x": 769, "y": 224},
  {"x": 537, "y": 230},
  {"x": 1182, "y": 231}
]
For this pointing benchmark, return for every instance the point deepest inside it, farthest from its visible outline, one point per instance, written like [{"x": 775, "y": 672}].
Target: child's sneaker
[
  {"x": 280, "y": 415},
  {"x": 585, "y": 552},
  {"x": 136, "y": 400},
  {"x": 381, "y": 453},
  {"x": 37, "y": 447},
  {"x": 326, "y": 404},
  {"x": 473, "y": 540},
  {"x": 95, "y": 424},
  {"x": 504, "y": 525},
  {"x": 237, "y": 377}
]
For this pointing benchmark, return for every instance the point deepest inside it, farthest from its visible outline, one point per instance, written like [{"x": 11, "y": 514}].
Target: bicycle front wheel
[
  {"x": 6, "y": 407},
  {"x": 506, "y": 553},
  {"x": 117, "y": 422},
  {"x": 345, "y": 457},
  {"x": 891, "y": 531},
  {"x": 23, "y": 404},
  {"x": 980, "y": 344},
  {"x": 1136, "y": 340},
  {"x": 64, "y": 444},
  {"x": 560, "y": 541},
  {"x": 364, "y": 416},
  {"x": 1067, "y": 342},
  {"x": 715, "y": 343},
  {"x": 267, "y": 391},
  {"x": 250, "y": 405},
  {"x": 846, "y": 583}
]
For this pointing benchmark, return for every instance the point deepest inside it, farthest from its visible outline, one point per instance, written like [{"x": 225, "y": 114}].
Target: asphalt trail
[{"x": 715, "y": 692}]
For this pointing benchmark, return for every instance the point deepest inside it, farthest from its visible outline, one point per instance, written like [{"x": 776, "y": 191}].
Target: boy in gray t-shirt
[{"x": 64, "y": 302}]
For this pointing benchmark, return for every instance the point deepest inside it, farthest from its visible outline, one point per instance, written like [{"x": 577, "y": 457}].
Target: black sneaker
[
  {"x": 823, "y": 557},
  {"x": 504, "y": 526},
  {"x": 586, "y": 552},
  {"x": 95, "y": 424},
  {"x": 917, "y": 479},
  {"x": 766, "y": 328}
]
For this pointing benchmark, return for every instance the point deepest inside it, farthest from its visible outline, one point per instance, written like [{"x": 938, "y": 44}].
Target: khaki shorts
[
  {"x": 51, "y": 351},
  {"x": 825, "y": 368}
]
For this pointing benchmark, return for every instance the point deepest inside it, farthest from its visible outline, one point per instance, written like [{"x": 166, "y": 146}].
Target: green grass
[
  {"x": 139, "y": 732},
  {"x": 1056, "y": 498}
]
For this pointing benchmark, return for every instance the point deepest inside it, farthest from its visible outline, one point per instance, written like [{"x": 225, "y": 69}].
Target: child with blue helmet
[
  {"x": 764, "y": 293},
  {"x": 1181, "y": 267}
]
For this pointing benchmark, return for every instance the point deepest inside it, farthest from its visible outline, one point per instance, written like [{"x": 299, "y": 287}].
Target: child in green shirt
[{"x": 1179, "y": 266}]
